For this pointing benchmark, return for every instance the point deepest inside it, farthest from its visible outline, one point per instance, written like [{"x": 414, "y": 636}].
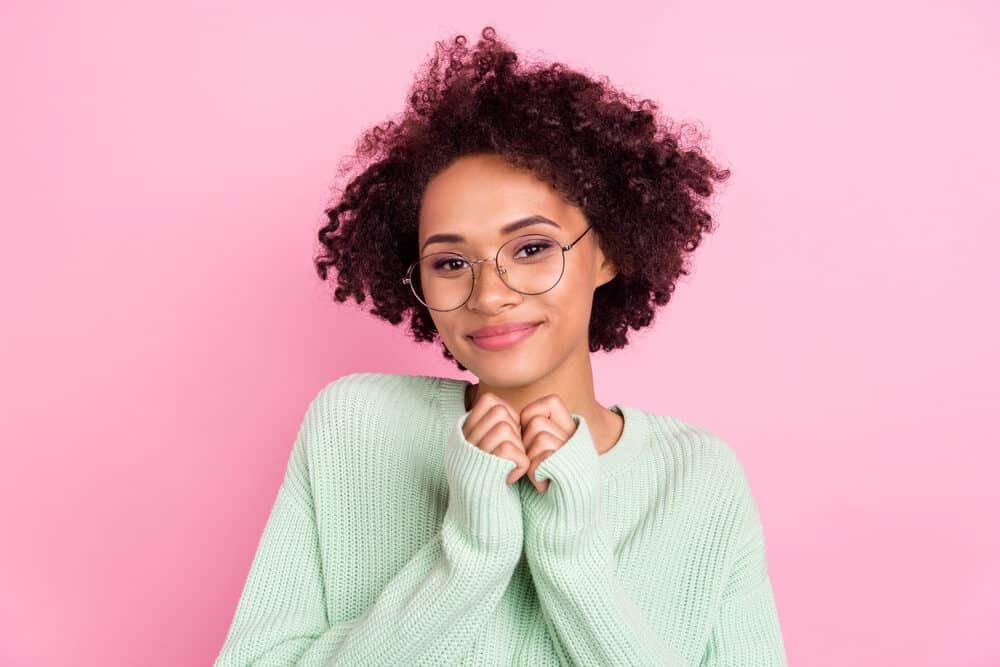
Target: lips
[{"x": 499, "y": 329}]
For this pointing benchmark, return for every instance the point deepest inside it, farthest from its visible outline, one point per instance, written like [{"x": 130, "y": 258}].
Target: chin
[{"x": 510, "y": 372}]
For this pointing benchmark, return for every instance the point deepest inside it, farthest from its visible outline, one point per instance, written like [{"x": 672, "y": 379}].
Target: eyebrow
[{"x": 506, "y": 229}]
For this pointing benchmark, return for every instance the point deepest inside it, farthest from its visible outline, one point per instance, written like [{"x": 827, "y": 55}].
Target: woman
[{"x": 528, "y": 216}]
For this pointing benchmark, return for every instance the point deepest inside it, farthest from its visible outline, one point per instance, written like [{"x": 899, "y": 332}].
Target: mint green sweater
[{"x": 393, "y": 540}]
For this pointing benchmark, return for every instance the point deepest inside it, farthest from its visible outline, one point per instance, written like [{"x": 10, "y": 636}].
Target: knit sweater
[{"x": 393, "y": 540}]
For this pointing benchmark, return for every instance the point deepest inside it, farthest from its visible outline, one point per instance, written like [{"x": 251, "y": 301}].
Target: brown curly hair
[{"x": 602, "y": 150}]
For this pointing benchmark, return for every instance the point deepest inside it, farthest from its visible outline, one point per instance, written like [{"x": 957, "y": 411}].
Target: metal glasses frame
[{"x": 501, "y": 270}]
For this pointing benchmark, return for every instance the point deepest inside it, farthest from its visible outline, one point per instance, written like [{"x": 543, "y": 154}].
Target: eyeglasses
[{"x": 529, "y": 264}]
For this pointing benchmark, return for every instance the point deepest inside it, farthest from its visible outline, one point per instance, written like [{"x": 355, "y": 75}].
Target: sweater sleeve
[
  {"x": 747, "y": 629},
  {"x": 592, "y": 619},
  {"x": 430, "y": 612}
]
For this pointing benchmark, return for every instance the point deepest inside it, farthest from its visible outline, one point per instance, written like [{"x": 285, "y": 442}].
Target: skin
[{"x": 522, "y": 403}]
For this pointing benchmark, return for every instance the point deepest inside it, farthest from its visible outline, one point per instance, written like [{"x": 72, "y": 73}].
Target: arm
[
  {"x": 573, "y": 566},
  {"x": 430, "y": 612},
  {"x": 747, "y": 631}
]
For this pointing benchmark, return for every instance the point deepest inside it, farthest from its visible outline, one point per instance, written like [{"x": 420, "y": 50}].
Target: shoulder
[
  {"x": 356, "y": 395},
  {"x": 709, "y": 478},
  {"x": 363, "y": 411},
  {"x": 699, "y": 456}
]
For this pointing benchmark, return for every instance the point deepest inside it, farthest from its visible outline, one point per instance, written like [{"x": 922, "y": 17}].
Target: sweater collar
[{"x": 450, "y": 398}]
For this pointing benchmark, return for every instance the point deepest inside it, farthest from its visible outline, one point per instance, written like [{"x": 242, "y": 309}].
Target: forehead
[{"x": 484, "y": 192}]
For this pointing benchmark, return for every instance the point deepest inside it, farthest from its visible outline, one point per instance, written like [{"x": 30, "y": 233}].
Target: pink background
[{"x": 164, "y": 173}]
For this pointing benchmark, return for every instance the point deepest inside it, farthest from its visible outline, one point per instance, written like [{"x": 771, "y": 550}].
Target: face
[{"x": 474, "y": 197}]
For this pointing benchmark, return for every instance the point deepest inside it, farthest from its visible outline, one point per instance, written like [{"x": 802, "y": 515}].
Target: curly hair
[{"x": 624, "y": 166}]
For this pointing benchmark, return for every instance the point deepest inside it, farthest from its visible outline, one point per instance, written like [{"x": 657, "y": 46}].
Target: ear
[
  {"x": 606, "y": 272},
  {"x": 606, "y": 268}
]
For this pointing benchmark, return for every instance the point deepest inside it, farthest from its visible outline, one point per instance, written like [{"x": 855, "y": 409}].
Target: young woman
[{"x": 528, "y": 216}]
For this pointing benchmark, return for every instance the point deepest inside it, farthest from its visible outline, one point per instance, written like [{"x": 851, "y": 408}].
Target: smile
[{"x": 503, "y": 341}]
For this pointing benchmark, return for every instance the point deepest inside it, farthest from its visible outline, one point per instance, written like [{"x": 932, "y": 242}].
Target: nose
[{"x": 489, "y": 290}]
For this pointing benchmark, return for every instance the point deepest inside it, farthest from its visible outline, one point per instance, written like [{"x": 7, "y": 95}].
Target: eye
[
  {"x": 537, "y": 247},
  {"x": 448, "y": 264}
]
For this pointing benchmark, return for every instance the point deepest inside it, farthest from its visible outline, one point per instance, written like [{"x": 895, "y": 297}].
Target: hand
[
  {"x": 546, "y": 425},
  {"x": 495, "y": 428}
]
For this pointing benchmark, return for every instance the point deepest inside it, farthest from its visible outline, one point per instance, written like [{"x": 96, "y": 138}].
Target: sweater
[{"x": 393, "y": 540}]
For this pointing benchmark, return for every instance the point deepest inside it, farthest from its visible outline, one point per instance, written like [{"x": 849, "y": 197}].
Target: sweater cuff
[
  {"x": 570, "y": 504},
  {"x": 480, "y": 500}
]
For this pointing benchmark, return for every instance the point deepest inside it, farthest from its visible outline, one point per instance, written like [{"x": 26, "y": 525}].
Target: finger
[
  {"x": 541, "y": 424},
  {"x": 554, "y": 408},
  {"x": 495, "y": 414},
  {"x": 542, "y": 441},
  {"x": 542, "y": 445},
  {"x": 541, "y": 450},
  {"x": 488, "y": 407},
  {"x": 499, "y": 433},
  {"x": 513, "y": 453},
  {"x": 534, "y": 462}
]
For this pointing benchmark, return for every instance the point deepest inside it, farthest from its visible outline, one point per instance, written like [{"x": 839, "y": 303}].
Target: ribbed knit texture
[{"x": 393, "y": 540}]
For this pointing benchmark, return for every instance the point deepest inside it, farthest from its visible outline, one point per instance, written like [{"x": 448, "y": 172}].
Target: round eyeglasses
[{"x": 529, "y": 264}]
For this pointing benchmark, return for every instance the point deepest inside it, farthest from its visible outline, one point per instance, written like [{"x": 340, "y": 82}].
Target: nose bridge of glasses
[{"x": 496, "y": 261}]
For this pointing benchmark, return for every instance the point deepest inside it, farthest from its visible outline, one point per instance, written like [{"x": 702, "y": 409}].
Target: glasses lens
[
  {"x": 533, "y": 263},
  {"x": 442, "y": 281},
  {"x": 530, "y": 265}
]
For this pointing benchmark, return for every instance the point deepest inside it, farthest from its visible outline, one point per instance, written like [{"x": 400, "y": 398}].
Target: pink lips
[
  {"x": 504, "y": 335},
  {"x": 496, "y": 329}
]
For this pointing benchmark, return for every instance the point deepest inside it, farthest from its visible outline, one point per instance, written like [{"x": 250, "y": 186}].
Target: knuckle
[
  {"x": 502, "y": 428},
  {"x": 507, "y": 450},
  {"x": 499, "y": 410}
]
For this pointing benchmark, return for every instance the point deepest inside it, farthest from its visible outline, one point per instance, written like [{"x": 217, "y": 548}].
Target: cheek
[
  {"x": 443, "y": 325},
  {"x": 568, "y": 311},
  {"x": 572, "y": 297}
]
